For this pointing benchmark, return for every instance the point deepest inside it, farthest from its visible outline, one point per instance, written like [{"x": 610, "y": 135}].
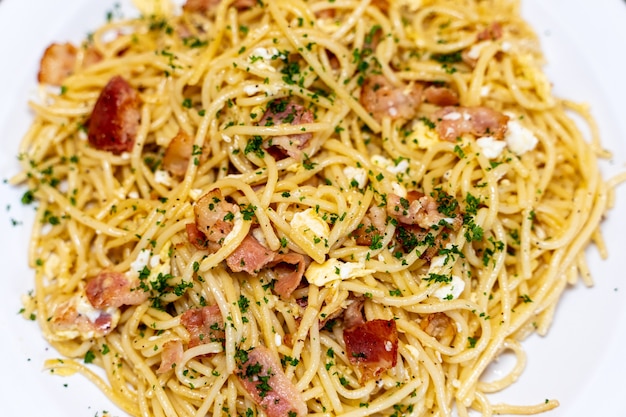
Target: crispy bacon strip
[
  {"x": 113, "y": 289},
  {"x": 441, "y": 96},
  {"x": 178, "y": 153},
  {"x": 115, "y": 118},
  {"x": 57, "y": 63},
  {"x": 417, "y": 208},
  {"x": 383, "y": 99},
  {"x": 492, "y": 32},
  {"x": 453, "y": 122},
  {"x": 372, "y": 347},
  {"x": 289, "y": 269},
  {"x": 374, "y": 224},
  {"x": 438, "y": 325},
  {"x": 250, "y": 256},
  {"x": 171, "y": 355},
  {"x": 353, "y": 315},
  {"x": 205, "y": 325},
  {"x": 283, "y": 111},
  {"x": 262, "y": 376},
  {"x": 67, "y": 320},
  {"x": 214, "y": 215}
]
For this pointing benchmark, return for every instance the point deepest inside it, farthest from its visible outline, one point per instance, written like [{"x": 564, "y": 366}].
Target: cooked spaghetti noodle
[{"x": 405, "y": 162}]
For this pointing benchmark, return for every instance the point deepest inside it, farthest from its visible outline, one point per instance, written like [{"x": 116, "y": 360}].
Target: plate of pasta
[{"x": 335, "y": 208}]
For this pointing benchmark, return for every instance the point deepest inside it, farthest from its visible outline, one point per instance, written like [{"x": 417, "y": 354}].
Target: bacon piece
[
  {"x": 452, "y": 122},
  {"x": 262, "y": 376},
  {"x": 438, "y": 325},
  {"x": 171, "y": 355},
  {"x": 113, "y": 289},
  {"x": 115, "y": 118},
  {"x": 213, "y": 215},
  {"x": 250, "y": 256},
  {"x": 178, "y": 153},
  {"x": 209, "y": 6},
  {"x": 196, "y": 237},
  {"x": 205, "y": 325},
  {"x": 353, "y": 315},
  {"x": 416, "y": 208},
  {"x": 383, "y": 99},
  {"x": 91, "y": 56},
  {"x": 69, "y": 322},
  {"x": 492, "y": 32},
  {"x": 57, "y": 63},
  {"x": 283, "y": 111},
  {"x": 372, "y": 347},
  {"x": 289, "y": 269},
  {"x": 374, "y": 224},
  {"x": 441, "y": 96}
]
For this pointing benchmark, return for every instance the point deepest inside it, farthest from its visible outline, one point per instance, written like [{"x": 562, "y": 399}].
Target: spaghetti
[{"x": 305, "y": 207}]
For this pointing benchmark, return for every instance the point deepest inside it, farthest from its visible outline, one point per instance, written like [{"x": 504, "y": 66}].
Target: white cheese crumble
[
  {"x": 451, "y": 290},
  {"x": 251, "y": 89},
  {"x": 278, "y": 339},
  {"x": 141, "y": 261},
  {"x": 195, "y": 193},
  {"x": 162, "y": 177},
  {"x": 401, "y": 167},
  {"x": 519, "y": 139},
  {"x": 398, "y": 189},
  {"x": 357, "y": 174},
  {"x": 490, "y": 147},
  {"x": 334, "y": 269}
]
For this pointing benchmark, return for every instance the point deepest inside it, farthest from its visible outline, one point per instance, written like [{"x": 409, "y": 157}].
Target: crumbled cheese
[
  {"x": 401, "y": 167},
  {"x": 490, "y": 147},
  {"x": 357, "y": 174},
  {"x": 308, "y": 221},
  {"x": 251, "y": 89},
  {"x": 388, "y": 345},
  {"x": 278, "y": 339},
  {"x": 519, "y": 139},
  {"x": 162, "y": 177},
  {"x": 398, "y": 189},
  {"x": 84, "y": 307},
  {"x": 505, "y": 46},
  {"x": 485, "y": 90},
  {"x": 226, "y": 138},
  {"x": 195, "y": 193},
  {"x": 133, "y": 194},
  {"x": 335, "y": 269},
  {"x": 475, "y": 50},
  {"x": 451, "y": 290},
  {"x": 155, "y": 261},
  {"x": 265, "y": 56},
  {"x": 141, "y": 261}
]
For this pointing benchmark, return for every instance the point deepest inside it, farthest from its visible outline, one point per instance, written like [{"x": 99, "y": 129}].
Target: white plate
[{"x": 580, "y": 362}]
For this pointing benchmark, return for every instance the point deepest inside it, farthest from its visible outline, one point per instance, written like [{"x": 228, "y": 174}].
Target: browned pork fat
[
  {"x": 205, "y": 325},
  {"x": 114, "y": 122},
  {"x": 372, "y": 347},
  {"x": 383, "y": 99},
  {"x": 113, "y": 289},
  {"x": 453, "y": 122},
  {"x": 262, "y": 376}
]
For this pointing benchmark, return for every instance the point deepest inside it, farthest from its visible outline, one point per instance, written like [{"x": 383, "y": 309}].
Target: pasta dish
[{"x": 305, "y": 207}]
